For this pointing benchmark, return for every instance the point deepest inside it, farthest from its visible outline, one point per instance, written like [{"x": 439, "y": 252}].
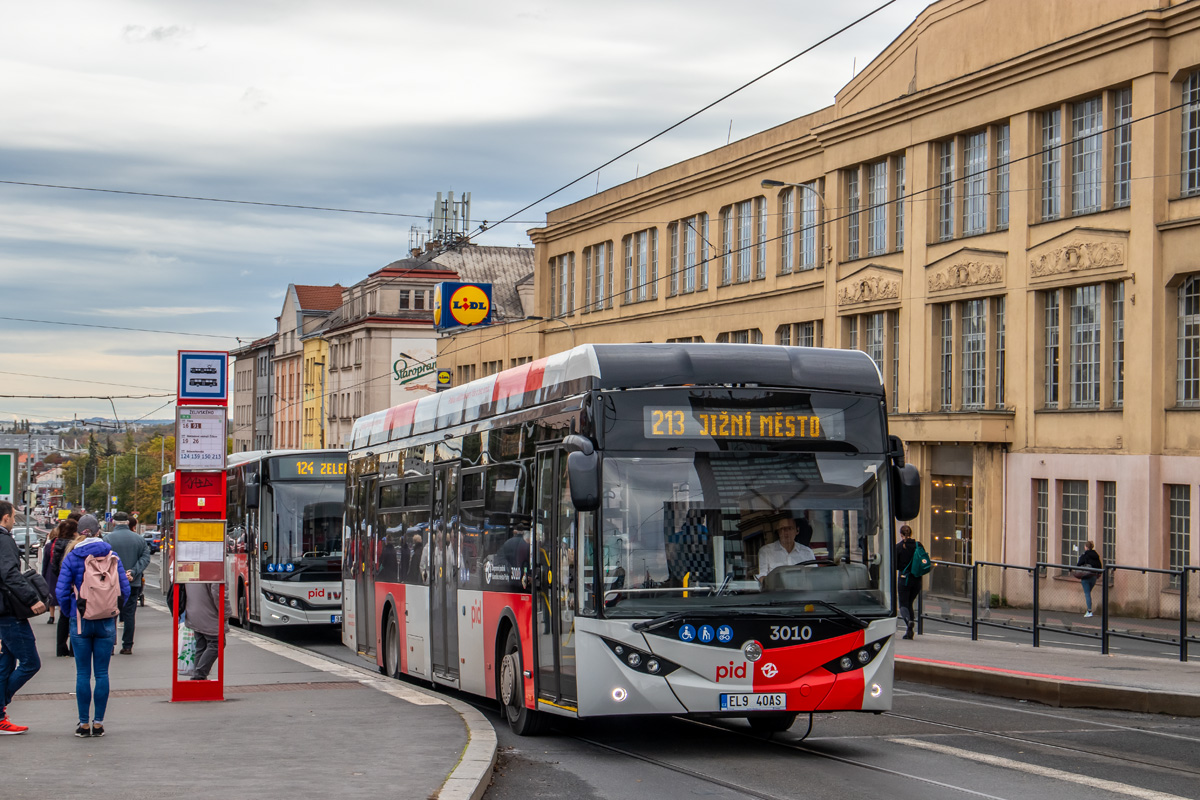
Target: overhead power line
[{"x": 120, "y": 328}]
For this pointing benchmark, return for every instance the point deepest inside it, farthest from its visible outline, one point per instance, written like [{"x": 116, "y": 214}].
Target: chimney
[
  {"x": 416, "y": 252},
  {"x": 431, "y": 245}
]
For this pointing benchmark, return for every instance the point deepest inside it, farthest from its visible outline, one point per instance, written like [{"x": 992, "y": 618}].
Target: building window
[
  {"x": 947, "y": 359},
  {"x": 852, "y": 215},
  {"x": 1191, "y": 134},
  {"x": 1108, "y": 521},
  {"x": 1074, "y": 520},
  {"x": 405, "y": 299},
  {"x": 787, "y": 235},
  {"x": 597, "y": 276},
  {"x": 1179, "y": 540},
  {"x": 800, "y": 334},
  {"x": 1051, "y": 164},
  {"x": 1122, "y": 100},
  {"x": 492, "y": 367},
  {"x": 743, "y": 240},
  {"x": 562, "y": 285},
  {"x": 1002, "y": 177},
  {"x": 745, "y": 250},
  {"x": 1051, "y": 351},
  {"x": 641, "y": 265},
  {"x": 751, "y": 336},
  {"x": 874, "y": 335},
  {"x": 1085, "y": 346},
  {"x": 726, "y": 245},
  {"x": 877, "y": 208},
  {"x": 688, "y": 254},
  {"x": 974, "y": 355},
  {"x": 899, "y": 221},
  {"x": 896, "y": 362},
  {"x": 760, "y": 245},
  {"x": 1041, "y": 492},
  {"x": 945, "y": 191},
  {"x": 1086, "y": 128},
  {"x": 465, "y": 373},
  {"x": 800, "y": 227},
  {"x": 1000, "y": 303},
  {"x": 686, "y": 340},
  {"x": 516, "y": 362},
  {"x": 975, "y": 183},
  {"x": 1187, "y": 380},
  {"x": 1118, "y": 349}
]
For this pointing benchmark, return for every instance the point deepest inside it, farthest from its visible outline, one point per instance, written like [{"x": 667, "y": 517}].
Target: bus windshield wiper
[
  {"x": 658, "y": 622},
  {"x": 843, "y": 613}
]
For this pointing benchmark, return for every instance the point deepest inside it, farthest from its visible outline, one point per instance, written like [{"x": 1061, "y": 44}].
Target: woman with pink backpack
[{"x": 92, "y": 588}]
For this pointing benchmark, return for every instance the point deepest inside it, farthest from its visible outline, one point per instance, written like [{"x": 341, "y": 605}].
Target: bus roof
[{"x": 623, "y": 366}]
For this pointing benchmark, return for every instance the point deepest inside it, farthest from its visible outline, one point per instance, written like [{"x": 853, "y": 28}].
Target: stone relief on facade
[
  {"x": 1076, "y": 256},
  {"x": 969, "y": 273},
  {"x": 866, "y": 290}
]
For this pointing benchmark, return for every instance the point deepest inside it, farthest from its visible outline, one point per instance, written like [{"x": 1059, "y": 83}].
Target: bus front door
[
  {"x": 364, "y": 591},
  {"x": 555, "y": 545},
  {"x": 443, "y": 573}
]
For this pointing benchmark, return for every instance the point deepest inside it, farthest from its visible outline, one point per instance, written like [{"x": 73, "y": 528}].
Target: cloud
[{"x": 162, "y": 34}]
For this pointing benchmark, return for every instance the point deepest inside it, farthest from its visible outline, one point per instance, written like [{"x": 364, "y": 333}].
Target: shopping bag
[{"x": 185, "y": 664}]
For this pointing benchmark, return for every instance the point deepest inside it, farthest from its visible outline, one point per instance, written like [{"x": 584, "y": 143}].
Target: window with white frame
[
  {"x": 1074, "y": 520},
  {"x": 800, "y": 231},
  {"x": 877, "y": 207},
  {"x": 975, "y": 183},
  {"x": 945, "y": 194},
  {"x": 1179, "y": 530},
  {"x": 641, "y": 266},
  {"x": 689, "y": 254},
  {"x": 898, "y": 220},
  {"x": 875, "y": 334},
  {"x": 1187, "y": 370},
  {"x": 800, "y": 334},
  {"x": 852, "y": 202},
  {"x": 1041, "y": 500},
  {"x": 597, "y": 276},
  {"x": 1122, "y": 101},
  {"x": 1076, "y": 320},
  {"x": 1087, "y": 126},
  {"x": 970, "y": 354},
  {"x": 874, "y": 207},
  {"x": 1108, "y": 521},
  {"x": 1190, "y": 183},
  {"x": 562, "y": 285},
  {"x": 1051, "y": 154},
  {"x": 1002, "y": 159},
  {"x": 743, "y": 241}
]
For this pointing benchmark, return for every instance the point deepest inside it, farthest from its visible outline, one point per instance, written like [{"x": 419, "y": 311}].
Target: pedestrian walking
[
  {"x": 19, "y": 659},
  {"x": 908, "y": 586},
  {"x": 135, "y": 555},
  {"x": 1091, "y": 559},
  {"x": 68, "y": 533},
  {"x": 203, "y": 619},
  {"x": 92, "y": 613},
  {"x": 47, "y": 560}
]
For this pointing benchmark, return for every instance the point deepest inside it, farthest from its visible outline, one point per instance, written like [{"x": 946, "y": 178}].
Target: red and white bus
[
  {"x": 605, "y": 531},
  {"x": 284, "y": 536}
]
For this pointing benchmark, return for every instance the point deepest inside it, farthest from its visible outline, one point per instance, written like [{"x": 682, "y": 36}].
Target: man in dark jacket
[
  {"x": 135, "y": 555},
  {"x": 18, "y": 650}
]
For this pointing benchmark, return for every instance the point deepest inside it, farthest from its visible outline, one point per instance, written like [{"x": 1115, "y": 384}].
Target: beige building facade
[{"x": 1003, "y": 210}]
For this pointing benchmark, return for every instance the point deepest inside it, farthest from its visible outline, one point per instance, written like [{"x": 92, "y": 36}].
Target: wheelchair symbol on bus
[{"x": 687, "y": 633}]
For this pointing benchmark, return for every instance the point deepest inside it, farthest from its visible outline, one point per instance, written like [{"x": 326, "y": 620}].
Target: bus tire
[
  {"x": 391, "y": 646},
  {"x": 772, "y": 722},
  {"x": 522, "y": 720}
]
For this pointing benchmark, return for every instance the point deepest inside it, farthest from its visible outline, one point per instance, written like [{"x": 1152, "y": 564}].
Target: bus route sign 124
[{"x": 200, "y": 437}]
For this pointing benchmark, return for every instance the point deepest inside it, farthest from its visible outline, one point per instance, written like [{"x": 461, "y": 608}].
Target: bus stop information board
[
  {"x": 199, "y": 551},
  {"x": 200, "y": 437}
]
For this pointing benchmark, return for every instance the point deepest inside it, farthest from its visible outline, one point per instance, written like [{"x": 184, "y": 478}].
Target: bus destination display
[
  {"x": 684, "y": 422},
  {"x": 302, "y": 468}
]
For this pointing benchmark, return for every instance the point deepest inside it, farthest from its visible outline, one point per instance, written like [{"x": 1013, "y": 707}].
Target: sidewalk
[
  {"x": 294, "y": 725},
  {"x": 1055, "y": 676}
]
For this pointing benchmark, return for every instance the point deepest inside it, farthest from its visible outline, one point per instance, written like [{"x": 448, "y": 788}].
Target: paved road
[{"x": 934, "y": 744}]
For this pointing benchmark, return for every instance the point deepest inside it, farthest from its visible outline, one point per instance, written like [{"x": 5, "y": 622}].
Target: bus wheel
[
  {"x": 774, "y": 722},
  {"x": 523, "y": 721},
  {"x": 391, "y": 647}
]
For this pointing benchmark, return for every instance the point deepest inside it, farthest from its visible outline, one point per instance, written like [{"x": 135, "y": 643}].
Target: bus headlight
[{"x": 855, "y": 659}]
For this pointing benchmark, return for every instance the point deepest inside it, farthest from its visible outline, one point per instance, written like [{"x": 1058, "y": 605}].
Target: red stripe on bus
[
  {"x": 510, "y": 382},
  {"x": 400, "y": 415},
  {"x": 536, "y": 376},
  {"x": 983, "y": 668}
]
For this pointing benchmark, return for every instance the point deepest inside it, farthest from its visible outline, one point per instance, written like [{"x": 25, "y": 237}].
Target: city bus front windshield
[
  {"x": 301, "y": 531},
  {"x": 781, "y": 532}
]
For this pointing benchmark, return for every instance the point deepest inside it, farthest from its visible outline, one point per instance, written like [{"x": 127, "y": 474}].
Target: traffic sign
[
  {"x": 202, "y": 375},
  {"x": 443, "y": 380}
]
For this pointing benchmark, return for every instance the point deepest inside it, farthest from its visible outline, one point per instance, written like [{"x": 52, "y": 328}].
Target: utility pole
[
  {"x": 28, "y": 493},
  {"x": 135, "y": 476}
]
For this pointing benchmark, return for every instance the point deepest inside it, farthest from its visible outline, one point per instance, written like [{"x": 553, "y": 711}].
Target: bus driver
[{"x": 786, "y": 551}]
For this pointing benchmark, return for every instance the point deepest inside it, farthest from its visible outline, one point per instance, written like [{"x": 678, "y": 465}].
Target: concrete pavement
[
  {"x": 1055, "y": 676},
  {"x": 294, "y": 725}
]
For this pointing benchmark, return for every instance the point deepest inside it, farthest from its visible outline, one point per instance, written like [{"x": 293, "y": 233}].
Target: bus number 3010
[{"x": 790, "y": 633}]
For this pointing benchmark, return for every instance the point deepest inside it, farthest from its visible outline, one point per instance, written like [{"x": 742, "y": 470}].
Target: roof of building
[
  {"x": 503, "y": 267},
  {"x": 318, "y": 298}
]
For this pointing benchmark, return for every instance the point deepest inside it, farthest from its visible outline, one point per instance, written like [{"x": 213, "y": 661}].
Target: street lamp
[
  {"x": 556, "y": 319},
  {"x": 771, "y": 184}
]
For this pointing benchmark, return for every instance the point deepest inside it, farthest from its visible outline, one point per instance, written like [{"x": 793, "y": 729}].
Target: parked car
[
  {"x": 153, "y": 540},
  {"x": 30, "y": 539}
]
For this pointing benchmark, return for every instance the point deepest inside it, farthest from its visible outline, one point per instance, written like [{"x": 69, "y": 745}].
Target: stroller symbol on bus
[
  {"x": 687, "y": 633},
  {"x": 724, "y": 634}
]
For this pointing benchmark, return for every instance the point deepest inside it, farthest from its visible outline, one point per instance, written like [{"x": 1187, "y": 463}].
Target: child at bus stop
[{"x": 203, "y": 619}]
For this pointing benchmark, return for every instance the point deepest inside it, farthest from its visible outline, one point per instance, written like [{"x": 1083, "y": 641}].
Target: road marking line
[
  {"x": 983, "y": 668},
  {"x": 1045, "y": 772}
]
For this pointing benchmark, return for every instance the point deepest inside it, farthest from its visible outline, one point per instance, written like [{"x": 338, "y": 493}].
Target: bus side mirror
[
  {"x": 906, "y": 492},
  {"x": 252, "y": 495},
  {"x": 583, "y": 472}
]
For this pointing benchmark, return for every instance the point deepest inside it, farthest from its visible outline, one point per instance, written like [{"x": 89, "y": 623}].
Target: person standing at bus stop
[
  {"x": 19, "y": 659},
  {"x": 1089, "y": 560},
  {"x": 135, "y": 555},
  {"x": 204, "y": 621},
  {"x": 908, "y": 586}
]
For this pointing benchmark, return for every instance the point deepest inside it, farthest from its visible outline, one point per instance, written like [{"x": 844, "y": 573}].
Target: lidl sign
[{"x": 462, "y": 305}]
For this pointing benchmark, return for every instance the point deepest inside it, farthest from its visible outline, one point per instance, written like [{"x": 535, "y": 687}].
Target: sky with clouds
[{"x": 373, "y": 105}]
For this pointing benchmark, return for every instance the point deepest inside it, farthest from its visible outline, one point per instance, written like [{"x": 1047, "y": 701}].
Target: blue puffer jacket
[{"x": 70, "y": 576}]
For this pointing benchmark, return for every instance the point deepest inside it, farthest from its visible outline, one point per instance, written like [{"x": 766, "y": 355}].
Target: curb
[
  {"x": 1049, "y": 692},
  {"x": 471, "y": 775}
]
